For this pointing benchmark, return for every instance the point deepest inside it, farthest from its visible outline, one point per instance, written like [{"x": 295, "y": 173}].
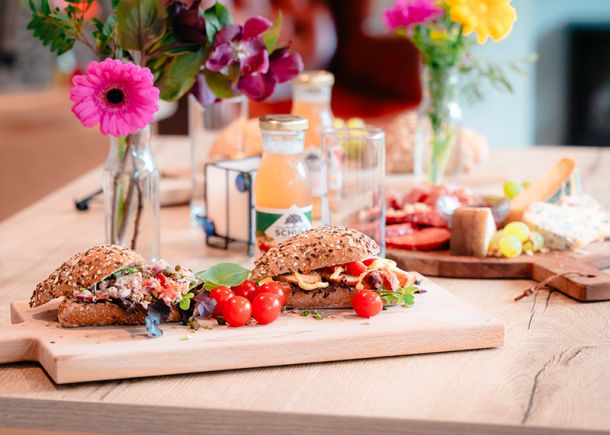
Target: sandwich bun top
[
  {"x": 84, "y": 269},
  {"x": 314, "y": 249}
]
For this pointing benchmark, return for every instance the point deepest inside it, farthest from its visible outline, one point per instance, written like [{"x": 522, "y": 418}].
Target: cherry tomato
[
  {"x": 405, "y": 279},
  {"x": 221, "y": 295},
  {"x": 367, "y": 303},
  {"x": 355, "y": 268},
  {"x": 266, "y": 308},
  {"x": 247, "y": 289},
  {"x": 264, "y": 246},
  {"x": 368, "y": 261},
  {"x": 237, "y": 311},
  {"x": 275, "y": 288}
]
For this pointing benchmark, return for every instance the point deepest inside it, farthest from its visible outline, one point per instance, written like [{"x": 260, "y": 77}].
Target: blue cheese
[{"x": 563, "y": 227}]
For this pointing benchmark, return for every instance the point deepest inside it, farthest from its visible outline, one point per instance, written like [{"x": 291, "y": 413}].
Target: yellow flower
[
  {"x": 436, "y": 34},
  {"x": 486, "y": 18}
]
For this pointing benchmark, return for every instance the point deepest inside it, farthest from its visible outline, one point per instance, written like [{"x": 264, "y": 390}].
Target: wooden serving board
[
  {"x": 587, "y": 283},
  {"x": 438, "y": 322}
]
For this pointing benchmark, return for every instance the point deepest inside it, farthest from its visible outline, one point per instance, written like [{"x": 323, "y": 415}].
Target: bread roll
[
  {"x": 71, "y": 313},
  {"x": 83, "y": 270},
  {"x": 314, "y": 249}
]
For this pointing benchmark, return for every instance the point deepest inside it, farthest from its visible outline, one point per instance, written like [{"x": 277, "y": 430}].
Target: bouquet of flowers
[
  {"x": 441, "y": 29},
  {"x": 151, "y": 49}
]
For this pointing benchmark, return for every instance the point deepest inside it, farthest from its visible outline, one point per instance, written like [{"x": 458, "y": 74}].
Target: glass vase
[
  {"x": 131, "y": 194},
  {"x": 206, "y": 124},
  {"x": 438, "y": 122}
]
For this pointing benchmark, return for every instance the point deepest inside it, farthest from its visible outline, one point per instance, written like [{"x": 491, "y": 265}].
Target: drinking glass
[
  {"x": 228, "y": 116},
  {"x": 354, "y": 161}
]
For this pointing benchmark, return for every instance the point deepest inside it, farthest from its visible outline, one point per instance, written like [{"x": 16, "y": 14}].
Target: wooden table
[{"x": 553, "y": 373}]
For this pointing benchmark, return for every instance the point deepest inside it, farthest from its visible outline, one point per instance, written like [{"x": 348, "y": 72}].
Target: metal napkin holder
[{"x": 229, "y": 199}]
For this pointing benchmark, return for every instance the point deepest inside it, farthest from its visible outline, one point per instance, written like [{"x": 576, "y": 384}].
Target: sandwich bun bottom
[
  {"x": 72, "y": 314},
  {"x": 338, "y": 298}
]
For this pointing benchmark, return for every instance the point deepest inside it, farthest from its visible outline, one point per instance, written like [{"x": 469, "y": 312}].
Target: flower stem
[
  {"x": 140, "y": 206},
  {"x": 118, "y": 203}
]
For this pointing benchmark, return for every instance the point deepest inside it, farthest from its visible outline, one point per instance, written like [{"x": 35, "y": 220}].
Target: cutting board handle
[
  {"x": 581, "y": 281},
  {"x": 17, "y": 343}
]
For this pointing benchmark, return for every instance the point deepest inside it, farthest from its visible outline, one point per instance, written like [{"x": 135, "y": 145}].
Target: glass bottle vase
[
  {"x": 131, "y": 194},
  {"x": 438, "y": 121}
]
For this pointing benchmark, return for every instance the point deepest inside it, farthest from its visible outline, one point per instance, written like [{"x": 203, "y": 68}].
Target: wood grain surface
[
  {"x": 551, "y": 376},
  {"x": 574, "y": 273},
  {"x": 438, "y": 322}
]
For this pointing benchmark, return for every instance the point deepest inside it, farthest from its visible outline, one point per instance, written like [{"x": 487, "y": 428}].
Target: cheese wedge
[
  {"x": 471, "y": 231},
  {"x": 542, "y": 189}
]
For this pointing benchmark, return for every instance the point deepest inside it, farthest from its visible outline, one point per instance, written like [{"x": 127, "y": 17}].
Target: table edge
[{"x": 63, "y": 415}]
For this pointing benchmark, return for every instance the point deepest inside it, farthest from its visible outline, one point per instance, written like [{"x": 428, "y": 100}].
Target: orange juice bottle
[
  {"x": 281, "y": 187},
  {"x": 311, "y": 99}
]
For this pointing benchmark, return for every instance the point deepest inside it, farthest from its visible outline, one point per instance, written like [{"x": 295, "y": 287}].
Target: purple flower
[
  {"x": 283, "y": 66},
  {"x": 406, "y": 13},
  {"x": 188, "y": 22},
  {"x": 242, "y": 49},
  {"x": 243, "y": 46}
]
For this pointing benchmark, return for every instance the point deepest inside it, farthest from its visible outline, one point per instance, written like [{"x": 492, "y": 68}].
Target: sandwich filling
[
  {"x": 141, "y": 285},
  {"x": 373, "y": 274}
]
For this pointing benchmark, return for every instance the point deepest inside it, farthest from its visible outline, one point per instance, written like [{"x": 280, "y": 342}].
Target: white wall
[
  {"x": 552, "y": 17},
  {"x": 507, "y": 120},
  {"x": 536, "y": 112}
]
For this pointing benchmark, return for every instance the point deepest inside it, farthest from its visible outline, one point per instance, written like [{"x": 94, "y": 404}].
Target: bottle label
[
  {"x": 274, "y": 225},
  {"x": 313, "y": 160}
]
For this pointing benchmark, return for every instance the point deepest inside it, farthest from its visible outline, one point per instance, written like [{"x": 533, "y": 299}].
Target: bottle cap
[
  {"x": 315, "y": 78},
  {"x": 283, "y": 123}
]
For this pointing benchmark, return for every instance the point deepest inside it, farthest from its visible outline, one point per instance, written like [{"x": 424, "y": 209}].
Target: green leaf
[
  {"x": 180, "y": 74},
  {"x": 403, "y": 296},
  {"x": 52, "y": 28},
  {"x": 140, "y": 23},
  {"x": 212, "y": 25},
  {"x": 185, "y": 302},
  {"x": 225, "y": 274},
  {"x": 219, "y": 84},
  {"x": 216, "y": 17},
  {"x": 272, "y": 34},
  {"x": 223, "y": 14},
  {"x": 104, "y": 35}
]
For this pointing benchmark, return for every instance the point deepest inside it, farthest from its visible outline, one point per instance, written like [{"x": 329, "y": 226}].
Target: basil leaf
[{"x": 225, "y": 274}]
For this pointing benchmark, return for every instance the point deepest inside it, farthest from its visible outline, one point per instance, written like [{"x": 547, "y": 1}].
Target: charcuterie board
[
  {"x": 578, "y": 272},
  {"x": 438, "y": 322}
]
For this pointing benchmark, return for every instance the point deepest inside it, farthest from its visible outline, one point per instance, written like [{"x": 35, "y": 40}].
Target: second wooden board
[
  {"x": 438, "y": 322},
  {"x": 576, "y": 273}
]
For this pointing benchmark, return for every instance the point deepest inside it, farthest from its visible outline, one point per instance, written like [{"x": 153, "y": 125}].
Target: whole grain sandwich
[
  {"x": 326, "y": 266},
  {"x": 112, "y": 285}
]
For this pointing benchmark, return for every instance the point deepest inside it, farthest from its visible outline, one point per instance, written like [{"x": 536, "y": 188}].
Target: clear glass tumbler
[
  {"x": 206, "y": 124},
  {"x": 354, "y": 161}
]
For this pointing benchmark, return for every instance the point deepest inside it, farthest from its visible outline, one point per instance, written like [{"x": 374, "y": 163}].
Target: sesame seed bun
[
  {"x": 84, "y": 270},
  {"x": 71, "y": 314},
  {"x": 314, "y": 249}
]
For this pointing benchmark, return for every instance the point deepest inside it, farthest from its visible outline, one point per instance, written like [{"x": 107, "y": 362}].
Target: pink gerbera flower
[
  {"x": 118, "y": 96},
  {"x": 406, "y": 13}
]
